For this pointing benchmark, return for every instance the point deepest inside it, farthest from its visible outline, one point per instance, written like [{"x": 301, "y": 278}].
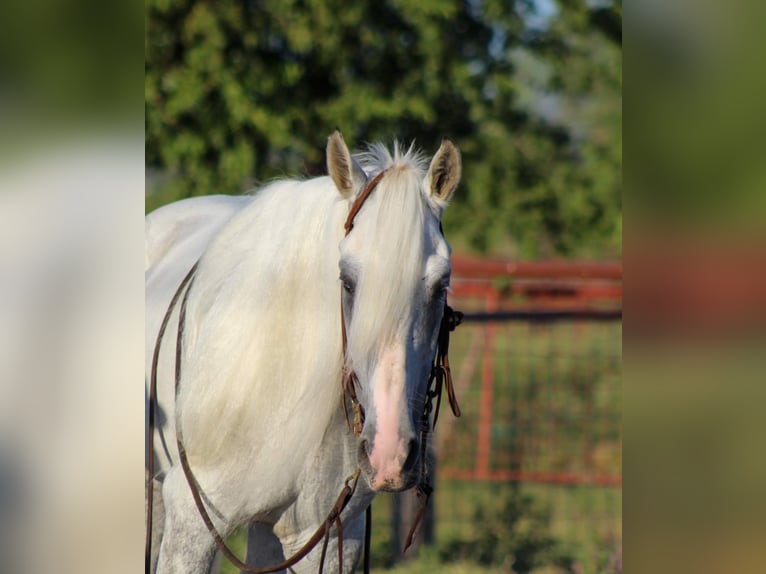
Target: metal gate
[{"x": 537, "y": 371}]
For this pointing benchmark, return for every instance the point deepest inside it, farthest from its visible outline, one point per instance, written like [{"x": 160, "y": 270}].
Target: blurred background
[
  {"x": 530, "y": 92},
  {"x": 240, "y": 93}
]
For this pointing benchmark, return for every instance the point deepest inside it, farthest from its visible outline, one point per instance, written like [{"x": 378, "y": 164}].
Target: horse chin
[{"x": 399, "y": 484}]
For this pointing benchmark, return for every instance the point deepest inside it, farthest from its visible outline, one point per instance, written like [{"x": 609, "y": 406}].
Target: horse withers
[{"x": 283, "y": 307}]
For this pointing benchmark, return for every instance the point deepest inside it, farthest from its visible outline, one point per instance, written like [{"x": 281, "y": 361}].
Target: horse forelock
[
  {"x": 390, "y": 242},
  {"x": 377, "y": 157}
]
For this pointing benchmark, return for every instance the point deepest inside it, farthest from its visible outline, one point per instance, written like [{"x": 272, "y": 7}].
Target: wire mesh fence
[
  {"x": 541, "y": 402},
  {"x": 531, "y": 471}
]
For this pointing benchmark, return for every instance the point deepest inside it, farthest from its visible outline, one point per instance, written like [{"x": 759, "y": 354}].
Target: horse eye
[{"x": 441, "y": 289}]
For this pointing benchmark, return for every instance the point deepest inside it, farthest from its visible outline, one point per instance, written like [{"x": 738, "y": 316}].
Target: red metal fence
[{"x": 537, "y": 371}]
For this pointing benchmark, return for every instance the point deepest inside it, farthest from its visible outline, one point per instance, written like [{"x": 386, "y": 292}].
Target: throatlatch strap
[{"x": 152, "y": 409}]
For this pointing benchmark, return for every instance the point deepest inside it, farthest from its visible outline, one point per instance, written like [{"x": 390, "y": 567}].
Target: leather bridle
[{"x": 440, "y": 375}]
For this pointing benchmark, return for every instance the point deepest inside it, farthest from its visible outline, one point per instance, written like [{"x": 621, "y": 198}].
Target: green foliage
[
  {"x": 235, "y": 89},
  {"x": 428, "y": 562},
  {"x": 514, "y": 531}
]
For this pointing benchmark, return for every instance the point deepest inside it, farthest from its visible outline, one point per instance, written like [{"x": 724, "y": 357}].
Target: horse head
[{"x": 394, "y": 272}]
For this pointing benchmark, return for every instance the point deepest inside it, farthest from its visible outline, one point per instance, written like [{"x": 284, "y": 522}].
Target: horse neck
[{"x": 265, "y": 320}]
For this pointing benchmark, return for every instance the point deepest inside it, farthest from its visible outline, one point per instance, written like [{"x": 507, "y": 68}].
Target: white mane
[{"x": 276, "y": 260}]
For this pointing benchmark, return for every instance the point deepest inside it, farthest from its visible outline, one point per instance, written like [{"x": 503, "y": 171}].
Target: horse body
[{"x": 260, "y": 409}]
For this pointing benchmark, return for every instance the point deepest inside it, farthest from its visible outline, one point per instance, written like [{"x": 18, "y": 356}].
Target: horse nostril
[
  {"x": 363, "y": 457},
  {"x": 363, "y": 450},
  {"x": 412, "y": 455}
]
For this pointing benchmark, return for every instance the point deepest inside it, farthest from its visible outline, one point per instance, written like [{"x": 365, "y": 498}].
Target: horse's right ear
[
  {"x": 349, "y": 178},
  {"x": 444, "y": 173}
]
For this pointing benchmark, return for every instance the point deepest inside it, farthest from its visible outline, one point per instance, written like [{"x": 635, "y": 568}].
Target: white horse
[{"x": 260, "y": 405}]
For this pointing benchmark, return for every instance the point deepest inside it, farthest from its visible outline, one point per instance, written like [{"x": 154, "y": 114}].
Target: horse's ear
[
  {"x": 444, "y": 172},
  {"x": 349, "y": 178}
]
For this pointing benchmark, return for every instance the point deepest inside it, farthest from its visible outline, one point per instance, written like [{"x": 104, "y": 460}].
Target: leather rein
[{"x": 440, "y": 376}]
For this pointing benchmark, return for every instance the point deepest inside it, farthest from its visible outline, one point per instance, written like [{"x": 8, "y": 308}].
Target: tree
[{"x": 243, "y": 88}]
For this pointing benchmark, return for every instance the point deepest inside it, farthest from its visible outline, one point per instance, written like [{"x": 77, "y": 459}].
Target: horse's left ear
[
  {"x": 349, "y": 178},
  {"x": 444, "y": 173}
]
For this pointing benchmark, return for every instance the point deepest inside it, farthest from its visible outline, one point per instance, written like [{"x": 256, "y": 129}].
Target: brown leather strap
[
  {"x": 349, "y": 225},
  {"x": 367, "y": 538},
  {"x": 322, "y": 532},
  {"x": 441, "y": 376},
  {"x": 424, "y": 491},
  {"x": 333, "y": 518},
  {"x": 152, "y": 408},
  {"x": 349, "y": 380},
  {"x": 441, "y": 370}
]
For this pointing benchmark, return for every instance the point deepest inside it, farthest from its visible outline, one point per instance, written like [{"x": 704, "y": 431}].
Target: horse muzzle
[{"x": 392, "y": 467}]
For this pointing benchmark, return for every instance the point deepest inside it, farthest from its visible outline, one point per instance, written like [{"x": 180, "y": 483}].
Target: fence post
[{"x": 487, "y": 391}]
